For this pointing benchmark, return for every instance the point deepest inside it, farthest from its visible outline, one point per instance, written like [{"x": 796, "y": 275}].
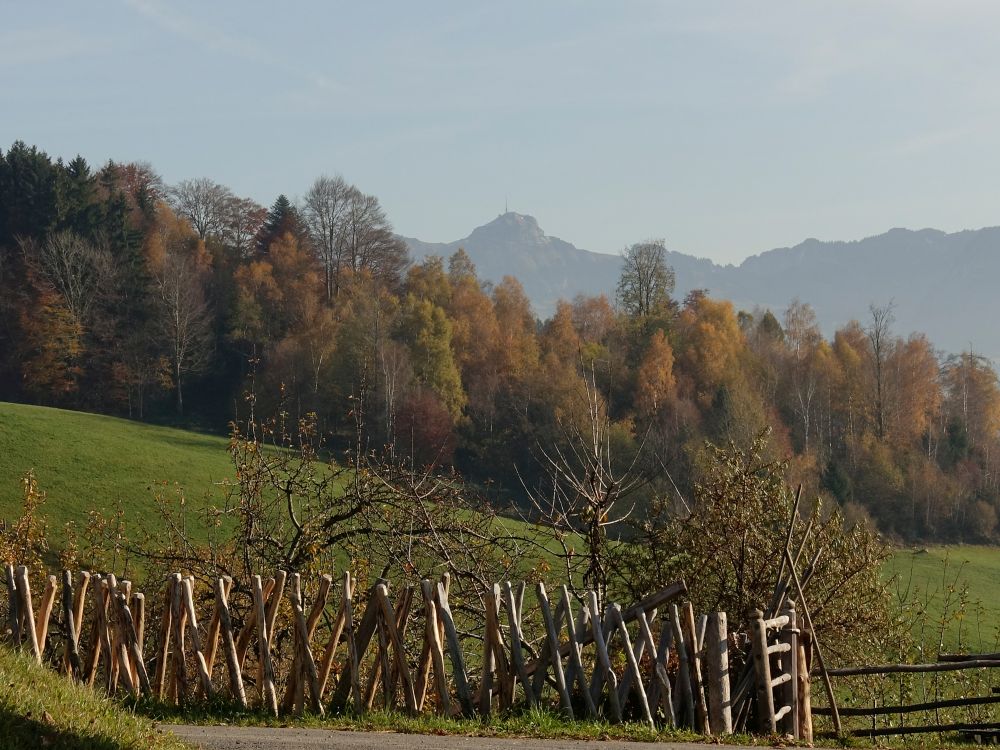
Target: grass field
[
  {"x": 958, "y": 587},
  {"x": 86, "y": 461},
  {"x": 41, "y": 708}
]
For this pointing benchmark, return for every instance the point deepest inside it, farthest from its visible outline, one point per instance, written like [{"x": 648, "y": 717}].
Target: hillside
[
  {"x": 940, "y": 283},
  {"x": 86, "y": 461}
]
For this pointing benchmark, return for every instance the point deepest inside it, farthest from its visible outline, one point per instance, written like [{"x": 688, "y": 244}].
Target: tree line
[{"x": 123, "y": 295}]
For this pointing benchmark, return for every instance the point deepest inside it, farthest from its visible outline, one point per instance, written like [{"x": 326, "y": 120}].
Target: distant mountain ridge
[{"x": 943, "y": 285}]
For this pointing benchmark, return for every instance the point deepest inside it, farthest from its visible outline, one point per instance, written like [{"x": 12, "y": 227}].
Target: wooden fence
[
  {"x": 945, "y": 663},
  {"x": 654, "y": 662}
]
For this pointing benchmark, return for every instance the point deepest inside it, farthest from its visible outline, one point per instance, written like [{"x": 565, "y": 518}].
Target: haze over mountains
[{"x": 943, "y": 285}]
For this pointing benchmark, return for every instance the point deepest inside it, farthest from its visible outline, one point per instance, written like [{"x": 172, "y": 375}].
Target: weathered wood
[
  {"x": 163, "y": 641},
  {"x": 45, "y": 612},
  {"x": 437, "y": 654},
  {"x": 805, "y": 688},
  {"x": 790, "y": 690},
  {"x": 603, "y": 673},
  {"x": 516, "y": 653},
  {"x": 13, "y": 611},
  {"x": 134, "y": 651},
  {"x": 274, "y": 602},
  {"x": 921, "y": 729},
  {"x": 455, "y": 652},
  {"x": 120, "y": 643},
  {"x": 250, "y": 626},
  {"x": 717, "y": 661},
  {"x": 137, "y": 608},
  {"x": 331, "y": 646},
  {"x": 422, "y": 681},
  {"x": 267, "y": 693},
  {"x": 651, "y": 602},
  {"x": 83, "y": 583},
  {"x": 632, "y": 663},
  {"x": 212, "y": 636},
  {"x": 353, "y": 675},
  {"x": 504, "y": 674},
  {"x": 912, "y": 668},
  {"x": 178, "y": 620},
  {"x": 26, "y": 610},
  {"x": 305, "y": 656},
  {"x": 389, "y": 623},
  {"x": 489, "y": 661},
  {"x": 111, "y": 624},
  {"x": 807, "y": 621},
  {"x": 199, "y": 655},
  {"x": 661, "y": 693},
  {"x": 94, "y": 654},
  {"x": 72, "y": 648},
  {"x": 236, "y": 689},
  {"x": 684, "y": 694},
  {"x": 552, "y": 640},
  {"x": 909, "y": 708},
  {"x": 294, "y": 679},
  {"x": 969, "y": 657},
  {"x": 659, "y": 683},
  {"x": 638, "y": 649},
  {"x": 762, "y": 667},
  {"x": 575, "y": 652}
]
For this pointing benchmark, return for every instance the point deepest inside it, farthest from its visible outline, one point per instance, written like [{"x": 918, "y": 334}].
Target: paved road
[{"x": 257, "y": 738}]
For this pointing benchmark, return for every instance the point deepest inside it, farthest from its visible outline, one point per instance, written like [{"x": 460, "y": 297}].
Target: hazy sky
[{"x": 726, "y": 128}]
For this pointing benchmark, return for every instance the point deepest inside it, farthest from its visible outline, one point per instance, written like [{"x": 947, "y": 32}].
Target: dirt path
[{"x": 257, "y": 738}]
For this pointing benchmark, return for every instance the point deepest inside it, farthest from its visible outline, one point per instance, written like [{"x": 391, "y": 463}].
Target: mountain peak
[{"x": 512, "y": 227}]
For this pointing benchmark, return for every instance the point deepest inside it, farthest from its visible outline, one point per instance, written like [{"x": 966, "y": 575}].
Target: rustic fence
[{"x": 654, "y": 662}]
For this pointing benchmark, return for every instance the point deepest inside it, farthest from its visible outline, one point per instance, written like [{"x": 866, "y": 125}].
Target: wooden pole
[
  {"x": 389, "y": 618},
  {"x": 305, "y": 656},
  {"x": 762, "y": 666},
  {"x": 72, "y": 653},
  {"x": 717, "y": 659},
  {"x": 807, "y": 620},
  {"x": 45, "y": 612},
  {"x": 331, "y": 646},
  {"x": 267, "y": 693},
  {"x": 27, "y": 611},
  {"x": 212, "y": 637},
  {"x": 83, "y": 583},
  {"x": 131, "y": 637},
  {"x": 455, "y": 651},
  {"x": 13, "y": 613},
  {"x": 138, "y": 612},
  {"x": 178, "y": 617},
  {"x": 250, "y": 626},
  {"x": 163, "y": 641},
  {"x": 805, "y": 698},
  {"x": 603, "y": 672},
  {"x": 576, "y": 654},
  {"x": 631, "y": 663},
  {"x": 236, "y": 688},
  {"x": 554, "y": 656},
  {"x": 437, "y": 654},
  {"x": 516, "y": 653},
  {"x": 684, "y": 695}
]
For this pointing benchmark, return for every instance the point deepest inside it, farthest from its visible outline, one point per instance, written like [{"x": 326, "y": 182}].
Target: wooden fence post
[
  {"x": 26, "y": 611},
  {"x": 455, "y": 651},
  {"x": 72, "y": 651},
  {"x": 13, "y": 614},
  {"x": 236, "y": 688},
  {"x": 267, "y": 693},
  {"x": 789, "y": 663},
  {"x": 762, "y": 668},
  {"x": 163, "y": 641},
  {"x": 717, "y": 658}
]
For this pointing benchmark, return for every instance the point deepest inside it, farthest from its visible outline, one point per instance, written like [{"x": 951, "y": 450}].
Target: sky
[{"x": 725, "y": 128}]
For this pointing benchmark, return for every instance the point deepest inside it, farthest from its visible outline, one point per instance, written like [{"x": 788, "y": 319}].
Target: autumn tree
[{"x": 655, "y": 381}]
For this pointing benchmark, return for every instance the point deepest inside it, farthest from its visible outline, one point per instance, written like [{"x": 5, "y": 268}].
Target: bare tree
[
  {"x": 325, "y": 207},
  {"x": 646, "y": 281},
  {"x": 242, "y": 220},
  {"x": 202, "y": 202},
  {"x": 880, "y": 338},
  {"x": 584, "y": 489},
  {"x": 352, "y": 233},
  {"x": 185, "y": 318},
  {"x": 79, "y": 270}
]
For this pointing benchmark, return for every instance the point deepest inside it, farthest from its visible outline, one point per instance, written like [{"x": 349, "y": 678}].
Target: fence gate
[{"x": 775, "y": 650}]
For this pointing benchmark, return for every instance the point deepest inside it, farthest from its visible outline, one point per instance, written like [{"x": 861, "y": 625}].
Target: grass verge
[{"x": 40, "y": 708}]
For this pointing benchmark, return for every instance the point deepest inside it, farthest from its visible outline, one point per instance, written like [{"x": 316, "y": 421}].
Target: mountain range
[{"x": 940, "y": 284}]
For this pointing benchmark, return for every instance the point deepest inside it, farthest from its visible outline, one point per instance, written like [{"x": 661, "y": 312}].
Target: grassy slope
[
  {"x": 934, "y": 578},
  {"x": 86, "y": 461},
  {"x": 39, "y": 708}
]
